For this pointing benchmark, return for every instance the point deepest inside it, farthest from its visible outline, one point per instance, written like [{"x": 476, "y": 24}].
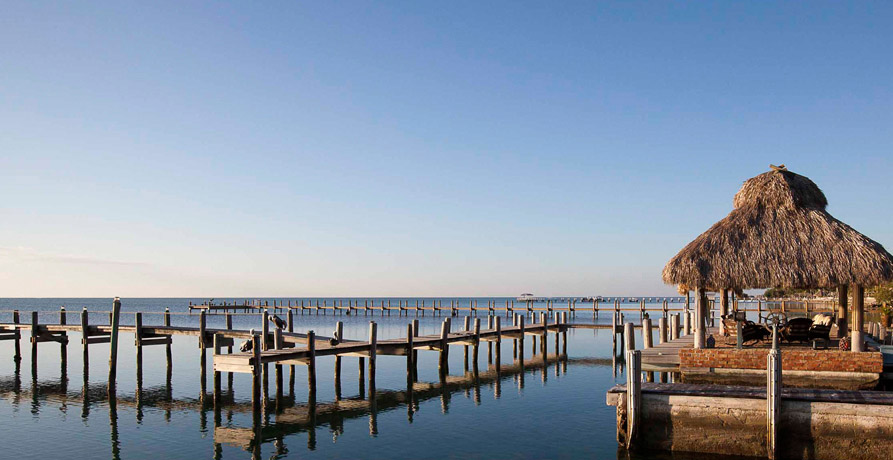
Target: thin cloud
[{"x": 25, "y": 254}]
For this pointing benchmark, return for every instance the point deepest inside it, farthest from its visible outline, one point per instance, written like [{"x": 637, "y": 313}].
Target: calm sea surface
[{"x": 56, "y": 411}]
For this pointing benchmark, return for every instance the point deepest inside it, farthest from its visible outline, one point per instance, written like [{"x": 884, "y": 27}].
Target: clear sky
[{"x": 418, "y": 148}]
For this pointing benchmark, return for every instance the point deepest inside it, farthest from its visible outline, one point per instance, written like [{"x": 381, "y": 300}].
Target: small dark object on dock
[
  {"x": 279, "y": 322},
  {"x": 246, "y": 346}
]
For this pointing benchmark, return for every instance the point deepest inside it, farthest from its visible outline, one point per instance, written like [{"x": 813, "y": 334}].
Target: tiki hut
[{"x": 780, "y": 235}]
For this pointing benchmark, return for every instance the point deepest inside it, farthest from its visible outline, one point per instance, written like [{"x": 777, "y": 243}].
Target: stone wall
[
  {"x": 792, "y": 360},
  {"x": 809, "y": 430}
]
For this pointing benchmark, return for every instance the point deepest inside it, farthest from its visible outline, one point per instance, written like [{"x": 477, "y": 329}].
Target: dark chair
[
  {"x": 752, "y": 333},
  {"x": 797, "y": 330},
  {"x": 818, "y": 331}
]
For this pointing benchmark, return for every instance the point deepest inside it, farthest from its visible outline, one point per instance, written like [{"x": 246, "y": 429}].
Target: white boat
[{"x": 526, "y": 297}]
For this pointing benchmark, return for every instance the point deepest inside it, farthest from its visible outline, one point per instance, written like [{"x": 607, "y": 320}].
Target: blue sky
[{"x": 418, "y": 148}]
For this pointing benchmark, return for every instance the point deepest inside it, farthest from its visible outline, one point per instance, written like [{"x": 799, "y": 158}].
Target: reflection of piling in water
[{"x": 265, "y": 351}]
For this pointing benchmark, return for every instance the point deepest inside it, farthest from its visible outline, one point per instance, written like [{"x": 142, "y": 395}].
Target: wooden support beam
[
  {"x": 311, "y": 362},
  {"x": 256, "y": 368},
  {"x": 842, "y": 311},
  {"x": 646, "y": 334},
  {"x": 17, "y": 355},
  {"x": 113, "y": 340},
  {"x": 858, "y": 336},
  {"x": 373, "y": 345},
  {"x": 773, "y": 400}
]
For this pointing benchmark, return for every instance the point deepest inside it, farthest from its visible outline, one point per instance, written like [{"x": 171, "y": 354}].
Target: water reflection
[{"x": 280, "y": 415}]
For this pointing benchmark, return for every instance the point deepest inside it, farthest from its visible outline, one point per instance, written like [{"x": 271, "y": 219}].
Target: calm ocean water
[{"x": 53, "y": 411}]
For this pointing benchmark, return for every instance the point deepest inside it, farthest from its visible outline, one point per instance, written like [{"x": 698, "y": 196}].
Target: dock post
[
  {"x": 113, "y": 342},
  {"x": 701, "y": 308},
  {"x": 662, "y": 330},
  {"x": 311, "y": 364},
  {"x": 373, "y": 345},
  {"x": 773, "y": 400},
  {"x": 290, "y": 320},
  {"x": 167, "y": 346},
  {"x": 85, "y": 331},
  {"x": 674, "y": 326},
  {"x": 202, "y": 323},
  {"x": 647, "y": 339},
  {"x": 633, "y": 393},
  {"x": 256, "y": 375},
  {"x": 265, "y": 327},
  {"x": 138, "y": 342},
  {"x": 857, "y": 339},
  {"x": 203, "y": 361},
  {"x": 564, "y": 338},
  {"x": 217, "y": 350},
  {"x": 35, "y": 327},
  {"x": 444, "y": 348},
  {"x": 409, "y": 350},
  {"x": 629, "y": 339},
  {"x": 17, "y": 357},
  {"x": 498, "y": 345}
]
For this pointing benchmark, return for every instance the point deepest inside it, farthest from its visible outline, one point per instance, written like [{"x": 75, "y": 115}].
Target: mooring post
[
  {"x": 409, "y": 350},
  {"x": 629, "y": 339},
  {"x": 646, "y": 333},
  {"x": 633, "y": 393},
  {"x": 18, "y": 334},
  {"x": 138, "y": 340},
  {"x": 85, "y": 330},
  {"x": 256, "y": 376},
  {"x": 564, "y": 338},
  {"x": 662, "y": 330},
  {"x": 113, "y": 343},
  {"x": 265, "y": 317},
  {"x": 675, "y": 330},
  {"x": 701, "y": 309},
  {"x": 35, "y": 327},
  {"x": 773, "y": 400},
  {"x": 202, "y": 323},
  {"x": 444, "y": 334},
  {"x": 217, "y": 349},
  {"x": 311, "y": 362},
  {"x": 373, "y": 345},
  {"x": 498, "y": 345}
]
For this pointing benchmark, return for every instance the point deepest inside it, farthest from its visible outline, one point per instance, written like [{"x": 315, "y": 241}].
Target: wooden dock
[{"x": 281, "y": 346}]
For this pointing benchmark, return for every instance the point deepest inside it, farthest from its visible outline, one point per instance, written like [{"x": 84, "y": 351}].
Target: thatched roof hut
[{"x": 779, "y": 235}]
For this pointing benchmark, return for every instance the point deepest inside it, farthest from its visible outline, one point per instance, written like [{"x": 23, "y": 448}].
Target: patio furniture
[
  {"x": 751, "y": 333},
  {"x": 796, "y": 330}
]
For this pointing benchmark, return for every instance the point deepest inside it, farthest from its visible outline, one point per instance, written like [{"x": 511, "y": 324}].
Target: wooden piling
[
  {"x": 256, "y": 375},
  {"x": 85, "y": 330},
  {"x": 217, "y": 350},
  {"x": 113, "y": 342},
  {"x": 409, "y": 352},
  {"x": 373, "y": 344},
  {"x": 202, "y": 326},
  {"x": 311, "y": 362},
  {"x": 17, "y": 356},
  {"x": 662, "y": 330},
  {"x": 629, "y": 339},
  {"x": 773, "y": 400},
  {"x": 633, "y": 393},
  {"x": 646, "y": 333},
  {"x": 265, "y": 327}
]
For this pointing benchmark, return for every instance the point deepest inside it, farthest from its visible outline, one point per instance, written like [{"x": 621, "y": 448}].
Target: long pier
[
  {"x": 281, "y": 346},
  {"x": 437, "y": 307}
]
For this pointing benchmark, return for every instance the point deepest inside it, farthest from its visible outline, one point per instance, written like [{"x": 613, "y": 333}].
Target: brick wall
[{"x": 795, "y": 360}]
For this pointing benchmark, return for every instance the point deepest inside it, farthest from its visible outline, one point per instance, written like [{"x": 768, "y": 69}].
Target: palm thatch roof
[{"x": 779, "y": 235}]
